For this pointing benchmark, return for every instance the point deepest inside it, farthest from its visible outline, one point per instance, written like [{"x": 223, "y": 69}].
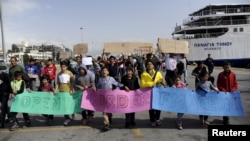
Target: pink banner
[{"x": 117, "y": 101}]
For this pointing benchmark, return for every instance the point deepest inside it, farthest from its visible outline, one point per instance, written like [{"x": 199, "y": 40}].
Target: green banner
[{"x": 35, "y": 102}]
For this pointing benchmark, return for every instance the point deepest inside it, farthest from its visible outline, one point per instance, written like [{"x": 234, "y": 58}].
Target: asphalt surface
[{"x": 193, "y": 131}]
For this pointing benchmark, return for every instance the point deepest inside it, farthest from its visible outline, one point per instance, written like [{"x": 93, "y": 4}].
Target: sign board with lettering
[
  {"x": 63, "y": 55},
  {"x": 173, "y": 46},
  {"x": 80, "y": 49},
  {"x": 128, "y": 47}
]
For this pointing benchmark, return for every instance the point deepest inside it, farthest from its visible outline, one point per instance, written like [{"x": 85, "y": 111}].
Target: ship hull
[{"x": 231, "y": 47}]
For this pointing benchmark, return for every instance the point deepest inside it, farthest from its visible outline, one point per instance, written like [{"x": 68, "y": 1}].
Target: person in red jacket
[
  {"x": 227, "y": 82},
  {"x": 50, "y": 70}
]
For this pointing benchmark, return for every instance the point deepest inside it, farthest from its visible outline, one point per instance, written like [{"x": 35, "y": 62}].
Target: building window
[
  {"x": 241, "y": 29},
  {"x": 235, "y": 29}
]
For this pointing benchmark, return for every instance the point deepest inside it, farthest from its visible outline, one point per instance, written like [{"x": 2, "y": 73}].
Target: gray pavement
[{"x": 192, "y": 131}]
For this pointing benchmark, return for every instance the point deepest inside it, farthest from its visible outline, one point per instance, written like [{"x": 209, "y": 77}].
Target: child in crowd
[
  {"x": 204, "y": 86},
  {"x": 18, "y": 87},
  {"x": 50, "y": 69},
  {"x": 227, "y": 82},
  {"x": 130, "y": 82},
  {"x": 83, "y": 81},
  {"x": 179, "y": 84},
  {"x": 46, "y": 87},
  {"x": 107, "y": 82},
  {"x": 65, "y": 81}
]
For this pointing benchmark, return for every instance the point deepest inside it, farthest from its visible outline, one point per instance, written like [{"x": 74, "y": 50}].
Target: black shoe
[
  {"x": 14, "y": 126},
  {"x": 226, "y": 122},
  {"x": 27, "y": 123},
  {"x": 110, "y": 120},
  {"x": 133, "y": 123},
  {"x": 106, "y": 127}
]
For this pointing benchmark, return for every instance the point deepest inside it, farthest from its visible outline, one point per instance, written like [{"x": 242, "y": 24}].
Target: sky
[{"x": 60, "y": 21}]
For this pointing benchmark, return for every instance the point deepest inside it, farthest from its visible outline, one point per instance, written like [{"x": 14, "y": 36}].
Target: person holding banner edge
[
  {"x": 45, "y": 86},
  {"x": 83, "y": 81},
  {"x": 18, "y": 87},
  {"x": 150, "y": 78},
  {"x": 5, "y": 89},
  {"x": 65, "y": 81},
  {"x": 107, "y": 82},
  {"x": 180, "y": 85},
  {"x": 130, "y": 82},
  {"x": 227, "y": 82},
  {"x": 204, "y": 86}
]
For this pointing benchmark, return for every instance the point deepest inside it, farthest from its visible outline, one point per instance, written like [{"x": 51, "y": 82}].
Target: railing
[
  {"x": 222, "y": 11},
  {"x": 216, "y": 12},
  {"x": 204, "y": 35},
  {"x": 221, "y": 22}
]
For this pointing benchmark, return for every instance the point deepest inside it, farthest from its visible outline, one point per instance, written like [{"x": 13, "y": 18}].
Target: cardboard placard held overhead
[
  {"x": 87, "y": 61},
  {"x": 128, "y": 47},
  {"x": 173, "y": 46},
  {"x": 63, "y": 55},
  {"x": 80, "y": 49}
]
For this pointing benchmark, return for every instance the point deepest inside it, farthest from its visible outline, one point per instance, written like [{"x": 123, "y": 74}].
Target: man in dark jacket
[{"x": 4, "y": 95}]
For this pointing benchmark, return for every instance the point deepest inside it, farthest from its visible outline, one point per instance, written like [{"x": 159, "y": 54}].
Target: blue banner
[{"x": 191, "y": 102}]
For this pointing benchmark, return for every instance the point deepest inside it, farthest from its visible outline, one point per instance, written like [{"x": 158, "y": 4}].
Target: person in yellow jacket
[
  {"x": 150, "y": 78},
  {"x": 18, "y": 87},
  {"x": 65, "y": 81}
]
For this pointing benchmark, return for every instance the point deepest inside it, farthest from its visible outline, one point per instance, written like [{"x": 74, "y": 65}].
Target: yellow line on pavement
[{"x": 138, "y": 134}]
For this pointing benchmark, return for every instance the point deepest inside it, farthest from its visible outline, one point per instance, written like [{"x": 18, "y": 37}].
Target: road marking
[
  {"x": 138, "y": 134},
  {"x": 35, "y": 129}
]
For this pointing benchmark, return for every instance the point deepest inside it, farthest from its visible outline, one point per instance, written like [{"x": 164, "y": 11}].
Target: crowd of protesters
[{"x": 110, "y": 72}]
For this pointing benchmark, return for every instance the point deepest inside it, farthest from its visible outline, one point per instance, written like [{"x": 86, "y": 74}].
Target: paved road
[{"x": 192, "y": 131}]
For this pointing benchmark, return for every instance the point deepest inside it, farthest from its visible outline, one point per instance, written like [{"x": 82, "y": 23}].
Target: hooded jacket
[{"x": 86, "y": 79}]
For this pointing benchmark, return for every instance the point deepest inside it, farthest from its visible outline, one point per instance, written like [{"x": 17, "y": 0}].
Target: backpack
[{"x": 180, "y": 67}]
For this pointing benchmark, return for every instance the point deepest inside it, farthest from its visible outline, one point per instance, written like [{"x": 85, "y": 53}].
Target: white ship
[{"x": 220, "y": 30}]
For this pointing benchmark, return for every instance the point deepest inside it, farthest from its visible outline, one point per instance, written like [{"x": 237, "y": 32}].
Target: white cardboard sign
[{"x": 87, "y": 61}]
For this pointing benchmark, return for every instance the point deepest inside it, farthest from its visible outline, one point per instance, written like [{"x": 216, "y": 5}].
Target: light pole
[
  {"x": 81, "y": 34},
  {"x": 2, "y": 32}
]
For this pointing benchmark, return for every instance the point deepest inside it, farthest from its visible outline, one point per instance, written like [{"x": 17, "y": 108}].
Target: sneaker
[
  {"x": 106, "y": 127},
  {"x": 158, "y": 123},
  {"x": 66, "y": 122},
  {"x": 153, "y": 124},
  {"x": 14, "y": 126},
  {"x": 179, "y": 125},
  {"x": 84, "y": 121},
  {"x": 206, "y": 122}
]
